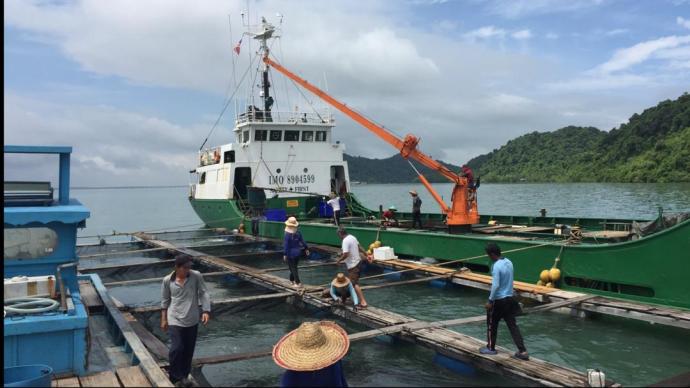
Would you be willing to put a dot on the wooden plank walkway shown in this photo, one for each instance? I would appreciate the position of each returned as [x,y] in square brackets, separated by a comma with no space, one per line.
[100,379]
[131,376]
[626,309]
[650,313]
[150,368]
[90,297]
[448,342]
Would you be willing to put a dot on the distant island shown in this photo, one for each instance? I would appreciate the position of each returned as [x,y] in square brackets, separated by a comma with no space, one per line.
[653,146]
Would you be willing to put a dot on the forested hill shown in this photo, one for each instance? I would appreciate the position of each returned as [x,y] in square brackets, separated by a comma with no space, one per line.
[391,170]
[652,147]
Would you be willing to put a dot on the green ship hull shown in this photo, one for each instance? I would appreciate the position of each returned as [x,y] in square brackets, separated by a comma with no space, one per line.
[652,269]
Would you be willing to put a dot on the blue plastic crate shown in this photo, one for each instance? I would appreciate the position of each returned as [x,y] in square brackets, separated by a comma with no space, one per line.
[275,215]
[325,210]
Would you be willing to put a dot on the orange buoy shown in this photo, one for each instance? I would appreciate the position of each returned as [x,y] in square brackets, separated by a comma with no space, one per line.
[554,274]
[544,276]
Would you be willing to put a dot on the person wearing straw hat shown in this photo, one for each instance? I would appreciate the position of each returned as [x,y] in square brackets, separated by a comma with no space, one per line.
[312,354]
[416,209]
[334,202]
[292,249]
[341,289]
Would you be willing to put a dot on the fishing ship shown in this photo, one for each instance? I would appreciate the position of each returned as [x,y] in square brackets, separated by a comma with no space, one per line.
[285,163]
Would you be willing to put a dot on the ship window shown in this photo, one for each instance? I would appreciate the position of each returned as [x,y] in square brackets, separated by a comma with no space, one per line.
[320,135]
[229,157]
[260,135]
[245,136]
[307,135]
[291,135]
[276,135]
[202,179]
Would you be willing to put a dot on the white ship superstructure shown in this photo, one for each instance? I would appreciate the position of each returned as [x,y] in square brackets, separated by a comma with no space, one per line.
[286,153]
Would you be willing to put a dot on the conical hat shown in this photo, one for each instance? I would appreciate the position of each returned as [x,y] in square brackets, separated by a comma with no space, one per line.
[340,280]
[312,346]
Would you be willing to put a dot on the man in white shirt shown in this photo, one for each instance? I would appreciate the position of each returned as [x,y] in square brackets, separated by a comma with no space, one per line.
[353,260]
[334,202]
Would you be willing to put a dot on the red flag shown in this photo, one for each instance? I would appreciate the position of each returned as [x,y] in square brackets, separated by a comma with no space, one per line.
[237,47]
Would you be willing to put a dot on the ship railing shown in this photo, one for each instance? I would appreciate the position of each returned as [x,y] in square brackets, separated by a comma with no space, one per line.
[284,117]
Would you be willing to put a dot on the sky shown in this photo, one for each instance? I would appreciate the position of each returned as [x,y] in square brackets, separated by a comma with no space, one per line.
[135,86]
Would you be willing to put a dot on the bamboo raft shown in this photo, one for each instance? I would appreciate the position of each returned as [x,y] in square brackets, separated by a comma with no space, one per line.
[432,335]
[653,314]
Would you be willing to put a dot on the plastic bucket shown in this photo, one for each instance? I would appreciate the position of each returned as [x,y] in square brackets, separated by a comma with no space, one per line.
[28,376]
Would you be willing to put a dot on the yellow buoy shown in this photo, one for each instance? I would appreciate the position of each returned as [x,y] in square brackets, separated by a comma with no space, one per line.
[544,276]
[369,252]
[549,285]
[372,246]
[377,244]
[540,283]
[554,274]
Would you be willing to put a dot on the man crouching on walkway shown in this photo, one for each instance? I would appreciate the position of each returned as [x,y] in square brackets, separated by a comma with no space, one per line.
[181,293]
[501,304]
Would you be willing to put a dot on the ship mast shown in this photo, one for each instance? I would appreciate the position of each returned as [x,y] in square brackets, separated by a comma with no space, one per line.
[267,30]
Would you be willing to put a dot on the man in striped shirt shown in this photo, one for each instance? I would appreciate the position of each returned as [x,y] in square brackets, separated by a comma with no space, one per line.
[182,293]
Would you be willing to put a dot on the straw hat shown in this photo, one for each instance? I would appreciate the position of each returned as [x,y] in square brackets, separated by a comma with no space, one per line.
[413,192]
[291,225]
[340,280]
[312,346]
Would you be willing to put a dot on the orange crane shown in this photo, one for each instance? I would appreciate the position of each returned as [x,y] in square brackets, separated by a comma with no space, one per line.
[463,210]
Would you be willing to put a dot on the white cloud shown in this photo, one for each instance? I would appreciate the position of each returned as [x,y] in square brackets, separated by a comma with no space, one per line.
[671,53]
[515,9]
[522,35]
[485,32]
[551,35]
[599,82]
[617,31]
[109,145]
[683,22]
[459,96]
[627,57]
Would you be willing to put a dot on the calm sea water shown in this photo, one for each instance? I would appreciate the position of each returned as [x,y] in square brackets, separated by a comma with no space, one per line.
[125,209]
[630,352]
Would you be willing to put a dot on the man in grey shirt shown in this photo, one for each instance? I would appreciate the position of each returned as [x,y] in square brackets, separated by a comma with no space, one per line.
[182,293]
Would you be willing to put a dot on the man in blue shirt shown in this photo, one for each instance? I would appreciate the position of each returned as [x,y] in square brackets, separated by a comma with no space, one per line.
[501,304]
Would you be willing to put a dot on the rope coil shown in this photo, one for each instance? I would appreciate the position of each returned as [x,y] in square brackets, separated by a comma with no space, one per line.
[30,305]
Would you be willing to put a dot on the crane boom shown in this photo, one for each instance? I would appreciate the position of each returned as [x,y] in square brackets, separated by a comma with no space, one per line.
[462,213]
